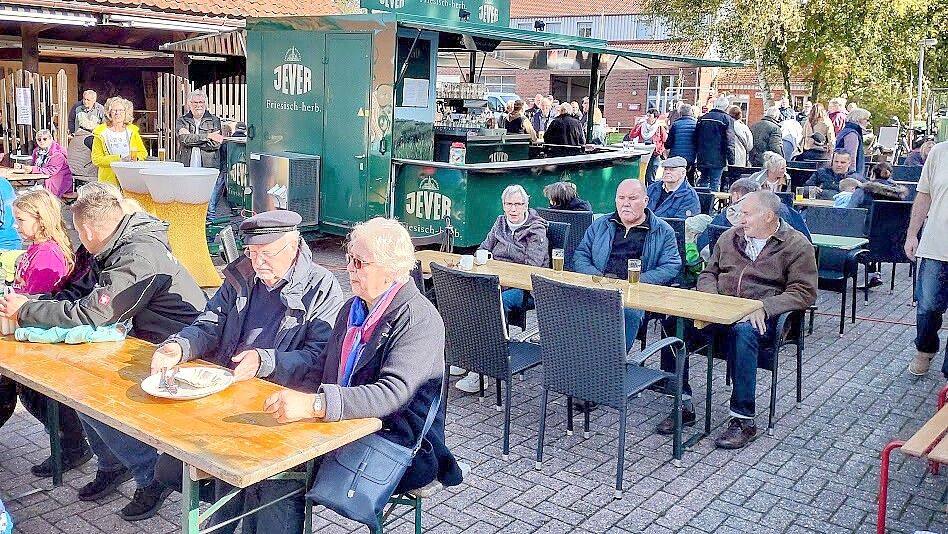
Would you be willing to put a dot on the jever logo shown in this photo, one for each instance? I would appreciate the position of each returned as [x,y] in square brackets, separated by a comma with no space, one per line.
[292,77]
[428,203]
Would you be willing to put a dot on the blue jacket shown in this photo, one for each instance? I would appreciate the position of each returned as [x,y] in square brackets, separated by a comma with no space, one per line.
[792,216]
[9,239]
[681,139]
[661,263]
[849,138]
[714,140]
[681,204]
[313,298]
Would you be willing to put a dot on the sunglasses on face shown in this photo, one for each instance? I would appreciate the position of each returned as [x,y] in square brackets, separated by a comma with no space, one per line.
[357,262]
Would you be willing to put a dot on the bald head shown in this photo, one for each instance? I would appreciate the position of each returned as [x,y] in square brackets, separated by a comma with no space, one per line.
[630,202]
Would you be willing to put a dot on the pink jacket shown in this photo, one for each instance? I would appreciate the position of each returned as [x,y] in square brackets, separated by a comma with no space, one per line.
[41,269]
[57,168]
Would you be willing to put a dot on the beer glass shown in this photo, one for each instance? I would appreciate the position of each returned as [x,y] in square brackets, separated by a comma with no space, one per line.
[558,256]
[161,154]
[800,195]
[635,270]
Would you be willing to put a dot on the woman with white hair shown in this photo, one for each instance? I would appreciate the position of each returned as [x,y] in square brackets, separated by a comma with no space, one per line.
[49,158]
[518,236]
[116,140]
[773,175]
[384,357]
[850,139]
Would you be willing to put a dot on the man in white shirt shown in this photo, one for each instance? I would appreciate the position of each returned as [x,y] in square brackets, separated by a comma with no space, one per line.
[931,202]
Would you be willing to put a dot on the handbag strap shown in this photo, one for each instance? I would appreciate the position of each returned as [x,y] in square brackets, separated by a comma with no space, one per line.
[432,413]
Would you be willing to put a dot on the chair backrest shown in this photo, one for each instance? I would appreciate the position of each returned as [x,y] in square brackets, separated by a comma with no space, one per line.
[582,340]
[229,250]
[557,234]
[678,225]
[804,164]
[787,198]
[444,239]
[706,199]
[798,177]
[714,232]
[888,222]
[903,173]
[912,190]
[475,335]
[579,222]
[848,222]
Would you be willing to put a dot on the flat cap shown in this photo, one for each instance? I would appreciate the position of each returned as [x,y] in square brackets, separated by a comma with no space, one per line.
[675,162]
[265,228]
[818,138]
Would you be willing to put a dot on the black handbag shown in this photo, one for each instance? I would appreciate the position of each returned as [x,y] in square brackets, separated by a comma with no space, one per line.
[357,480]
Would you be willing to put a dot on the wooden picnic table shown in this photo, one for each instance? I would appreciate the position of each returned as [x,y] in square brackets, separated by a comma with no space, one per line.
[226,435]
[813,203]
[19,179]
[702,308]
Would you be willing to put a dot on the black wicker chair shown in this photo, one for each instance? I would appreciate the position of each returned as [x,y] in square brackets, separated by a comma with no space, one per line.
[444,240]
[714,233]
[904,173]
[678,225]
[582,338]
[706,199]
[798,177]
[579,221]
[557,234]
[888,223]
[837,267]
[475,333]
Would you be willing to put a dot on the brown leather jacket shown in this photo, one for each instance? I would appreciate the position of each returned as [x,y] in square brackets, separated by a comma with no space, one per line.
[783,277]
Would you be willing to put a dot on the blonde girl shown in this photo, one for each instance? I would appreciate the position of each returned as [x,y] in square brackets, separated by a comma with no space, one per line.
[49,258]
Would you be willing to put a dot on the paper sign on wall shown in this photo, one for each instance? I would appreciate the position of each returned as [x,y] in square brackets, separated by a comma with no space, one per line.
[415,93]
[24,106]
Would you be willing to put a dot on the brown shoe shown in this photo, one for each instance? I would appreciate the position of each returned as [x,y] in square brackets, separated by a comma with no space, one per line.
[667,426]
[920,363]
[739,433]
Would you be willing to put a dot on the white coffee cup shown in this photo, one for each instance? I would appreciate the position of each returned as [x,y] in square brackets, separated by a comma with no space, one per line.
[466,263]
[481,256]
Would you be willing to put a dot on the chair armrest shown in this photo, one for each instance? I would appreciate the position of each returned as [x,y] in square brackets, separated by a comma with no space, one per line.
[650,350]
[852,258]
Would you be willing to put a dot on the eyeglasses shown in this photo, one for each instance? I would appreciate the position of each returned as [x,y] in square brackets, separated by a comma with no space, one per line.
[357,262]
[514,204]
[254,254]
[42,139]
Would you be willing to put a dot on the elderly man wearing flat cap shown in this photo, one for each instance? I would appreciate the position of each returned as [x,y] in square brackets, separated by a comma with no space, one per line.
[275,303]
[673,196]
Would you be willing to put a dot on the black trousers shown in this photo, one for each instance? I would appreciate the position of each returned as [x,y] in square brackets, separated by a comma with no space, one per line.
[7,399]
[72,436]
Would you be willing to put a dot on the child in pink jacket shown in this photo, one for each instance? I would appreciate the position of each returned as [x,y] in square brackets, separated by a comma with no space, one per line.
[49,258]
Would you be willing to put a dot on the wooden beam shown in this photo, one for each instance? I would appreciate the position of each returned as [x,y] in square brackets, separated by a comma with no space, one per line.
[29,34]
[181,62]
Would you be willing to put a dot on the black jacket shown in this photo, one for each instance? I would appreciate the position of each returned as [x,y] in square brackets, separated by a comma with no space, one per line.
[577,204]
[813,154]
[767,138]
[714,140]
[137,278]
[210,150]
[565,130]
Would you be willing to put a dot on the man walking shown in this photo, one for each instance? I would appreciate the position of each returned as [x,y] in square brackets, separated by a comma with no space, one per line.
[714,144]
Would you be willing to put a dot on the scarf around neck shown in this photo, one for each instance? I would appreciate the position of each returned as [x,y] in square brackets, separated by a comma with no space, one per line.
[648,131]
[361,325]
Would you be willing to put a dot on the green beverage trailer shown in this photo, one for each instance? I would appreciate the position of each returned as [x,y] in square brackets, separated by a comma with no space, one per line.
[358,95]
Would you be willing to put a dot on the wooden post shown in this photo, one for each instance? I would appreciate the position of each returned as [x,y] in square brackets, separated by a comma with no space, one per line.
[593,94]
[29,34]
[181,62]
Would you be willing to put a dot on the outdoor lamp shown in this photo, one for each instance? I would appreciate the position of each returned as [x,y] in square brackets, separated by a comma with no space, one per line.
[464,14]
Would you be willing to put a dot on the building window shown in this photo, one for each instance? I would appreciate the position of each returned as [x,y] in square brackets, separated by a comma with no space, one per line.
[644,28]
[525,26]
[501,84]
[584,29]
[663,91]
[553,27]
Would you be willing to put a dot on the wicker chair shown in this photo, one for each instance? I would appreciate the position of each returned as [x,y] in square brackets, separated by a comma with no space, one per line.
[444,240]
[475,333]
[582,338]
[579,221]
[557,234]
[714,233]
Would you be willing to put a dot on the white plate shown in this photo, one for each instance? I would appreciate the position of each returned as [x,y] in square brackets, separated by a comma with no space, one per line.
[222,378]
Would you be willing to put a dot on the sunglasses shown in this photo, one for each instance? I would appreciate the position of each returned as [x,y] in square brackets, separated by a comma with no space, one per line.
[42,139]
[357,262]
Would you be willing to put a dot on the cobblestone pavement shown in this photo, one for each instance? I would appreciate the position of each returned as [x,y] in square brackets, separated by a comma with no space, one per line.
[818,473]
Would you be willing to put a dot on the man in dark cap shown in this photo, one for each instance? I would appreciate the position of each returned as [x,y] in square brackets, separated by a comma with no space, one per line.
[275,303]
[672,196]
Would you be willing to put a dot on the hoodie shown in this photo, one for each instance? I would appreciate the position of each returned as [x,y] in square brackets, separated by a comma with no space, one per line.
[137,280]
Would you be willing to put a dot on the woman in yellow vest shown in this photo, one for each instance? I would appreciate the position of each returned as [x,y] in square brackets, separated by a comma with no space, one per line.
[116,140]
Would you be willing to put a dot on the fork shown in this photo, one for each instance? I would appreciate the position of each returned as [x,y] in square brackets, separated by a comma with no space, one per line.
[167,381]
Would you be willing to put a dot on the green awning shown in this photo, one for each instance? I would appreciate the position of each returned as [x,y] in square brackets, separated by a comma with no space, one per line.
[517,47]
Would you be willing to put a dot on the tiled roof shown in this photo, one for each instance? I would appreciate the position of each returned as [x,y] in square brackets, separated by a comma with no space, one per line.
[747,76]
[575,8]
[696,49]
[209,8]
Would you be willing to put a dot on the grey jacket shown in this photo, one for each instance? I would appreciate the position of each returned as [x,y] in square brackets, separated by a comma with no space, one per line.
[210,150]
[137,279]
[527,245]
[312,296]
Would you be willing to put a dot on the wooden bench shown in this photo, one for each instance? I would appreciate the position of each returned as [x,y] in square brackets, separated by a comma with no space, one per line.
[929,443]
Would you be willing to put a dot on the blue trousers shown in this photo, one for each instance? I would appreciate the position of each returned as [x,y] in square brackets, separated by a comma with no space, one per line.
[113,449]
[285,516]
[932,293]
[633,320]
[215,194]
[710,177]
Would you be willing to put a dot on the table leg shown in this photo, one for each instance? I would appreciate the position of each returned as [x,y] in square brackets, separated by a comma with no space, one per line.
[55,444]
[707,394]
[190,502]
[676,410]
[308,507]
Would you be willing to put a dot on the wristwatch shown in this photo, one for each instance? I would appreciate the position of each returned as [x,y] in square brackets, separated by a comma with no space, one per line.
[318,405]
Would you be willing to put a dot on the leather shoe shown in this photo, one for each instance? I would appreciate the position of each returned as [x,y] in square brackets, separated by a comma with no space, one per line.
[667,426]
[739,433]
[70,461]
[146,502]
[920,363]
[104,483]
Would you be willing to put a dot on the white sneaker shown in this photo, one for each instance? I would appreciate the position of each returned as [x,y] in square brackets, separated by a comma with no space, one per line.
[469,384]
[457,371]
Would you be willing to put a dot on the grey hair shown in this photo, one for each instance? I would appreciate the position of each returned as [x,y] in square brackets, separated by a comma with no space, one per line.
[41,132]
[859,114]
[773,112]
[685,110]
[389,243]
[565,108]
[90,92]
[722,102]
[743,186]
[560,192]
[769,201]
[129,205]
[772,160]
[515,188]
[197,92]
